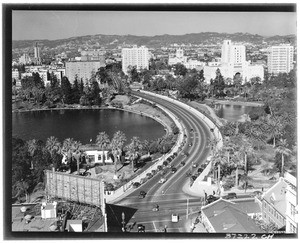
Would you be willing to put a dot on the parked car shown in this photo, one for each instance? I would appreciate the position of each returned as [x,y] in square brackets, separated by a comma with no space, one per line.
[211,199]
[199,170]
[142,194]
[136,184]
[182,163]
[173,170]
[190,144]
[162,180]
[230,195]
[192,129]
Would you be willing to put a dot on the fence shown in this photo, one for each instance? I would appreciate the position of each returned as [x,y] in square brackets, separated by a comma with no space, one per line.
[74,188]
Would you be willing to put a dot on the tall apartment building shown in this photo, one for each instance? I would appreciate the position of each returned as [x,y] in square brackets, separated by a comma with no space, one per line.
[280,59]
[82,69]
[138,57]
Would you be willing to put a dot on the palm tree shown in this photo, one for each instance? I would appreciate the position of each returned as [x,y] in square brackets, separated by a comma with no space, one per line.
[133,150]
[218,159]
[117,143]
[275,128]
[103,141]
[71,149]
[32,146]
[283,149]
[244,148]
[53,146]
[245,178]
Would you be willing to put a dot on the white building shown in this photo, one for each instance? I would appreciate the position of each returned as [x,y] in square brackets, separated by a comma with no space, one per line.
[138,57]
[233,61]
[194,64]
[82,69]
[15,74]
[25,59]
[279,204]
[37,54]
[179,58]
[280,59]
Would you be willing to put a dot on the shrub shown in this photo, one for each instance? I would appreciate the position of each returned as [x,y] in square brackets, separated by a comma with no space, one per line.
[98,169]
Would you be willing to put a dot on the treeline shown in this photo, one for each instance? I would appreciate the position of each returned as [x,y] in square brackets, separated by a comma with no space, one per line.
[31,158]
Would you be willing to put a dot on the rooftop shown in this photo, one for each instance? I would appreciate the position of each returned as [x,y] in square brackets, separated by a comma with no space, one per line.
[226,216]
[276,196]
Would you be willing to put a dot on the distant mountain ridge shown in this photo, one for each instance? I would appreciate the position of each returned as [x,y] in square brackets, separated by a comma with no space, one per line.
[153,41]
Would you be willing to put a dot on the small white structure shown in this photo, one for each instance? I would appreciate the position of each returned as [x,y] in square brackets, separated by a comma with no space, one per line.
[96,157]
[74,225]
[49,210]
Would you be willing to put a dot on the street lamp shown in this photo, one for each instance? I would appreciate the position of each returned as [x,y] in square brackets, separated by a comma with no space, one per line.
[123,221]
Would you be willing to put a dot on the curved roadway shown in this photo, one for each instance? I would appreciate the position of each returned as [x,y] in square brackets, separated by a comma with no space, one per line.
[170,195]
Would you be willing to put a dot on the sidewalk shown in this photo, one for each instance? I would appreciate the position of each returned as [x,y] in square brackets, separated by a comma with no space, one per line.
[198,189]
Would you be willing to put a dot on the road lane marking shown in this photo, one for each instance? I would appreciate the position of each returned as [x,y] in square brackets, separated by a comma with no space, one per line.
[154,226]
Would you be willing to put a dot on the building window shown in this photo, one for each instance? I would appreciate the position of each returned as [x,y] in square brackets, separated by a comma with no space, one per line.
[293,210]
[99,157]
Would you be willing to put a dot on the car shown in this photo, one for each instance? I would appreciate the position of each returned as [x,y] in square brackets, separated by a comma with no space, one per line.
[190,144]
[192,129]
[141,228]
[256,193]
[162,180]
[142,194]
[136,184]
[195,165]
[182,163]
[230,195]
[155,208]
[211,199]
[175,218]
[200,170]
[173,170]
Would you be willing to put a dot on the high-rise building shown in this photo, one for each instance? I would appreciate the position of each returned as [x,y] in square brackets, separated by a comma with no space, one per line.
[280,59]
[138,57]
[233,54]
[83,70]
[37,54]
[233,62]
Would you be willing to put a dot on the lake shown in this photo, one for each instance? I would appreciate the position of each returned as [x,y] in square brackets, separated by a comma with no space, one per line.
[232,112]
[83,125]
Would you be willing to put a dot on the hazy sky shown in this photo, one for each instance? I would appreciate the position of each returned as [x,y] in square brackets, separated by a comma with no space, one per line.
[30,25]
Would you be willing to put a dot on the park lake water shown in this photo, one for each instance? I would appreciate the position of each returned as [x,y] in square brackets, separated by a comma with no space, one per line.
[232,112]
[83,125]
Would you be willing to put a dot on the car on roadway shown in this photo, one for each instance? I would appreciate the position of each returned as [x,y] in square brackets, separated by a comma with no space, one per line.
[230,195]
[190,144]
[182,163]
[211,198]
[175,218]
[173,170]
[142,194]
[141,228]
[192,129]
[195,165]
[162,180]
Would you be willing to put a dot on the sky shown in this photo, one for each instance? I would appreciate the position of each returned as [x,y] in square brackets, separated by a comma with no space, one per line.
[52,25]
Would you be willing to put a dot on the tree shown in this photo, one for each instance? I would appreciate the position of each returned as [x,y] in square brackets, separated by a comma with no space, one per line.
[180,69]
[133,150]
[284,151]
[103,141]
[32,146]
[75,97]
[71,149]
[245,178]
[275,128]
[117,142]
[66,90]
[53,146]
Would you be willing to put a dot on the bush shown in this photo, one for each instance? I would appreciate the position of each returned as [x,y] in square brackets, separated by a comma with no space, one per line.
[136,184]
[109,187]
